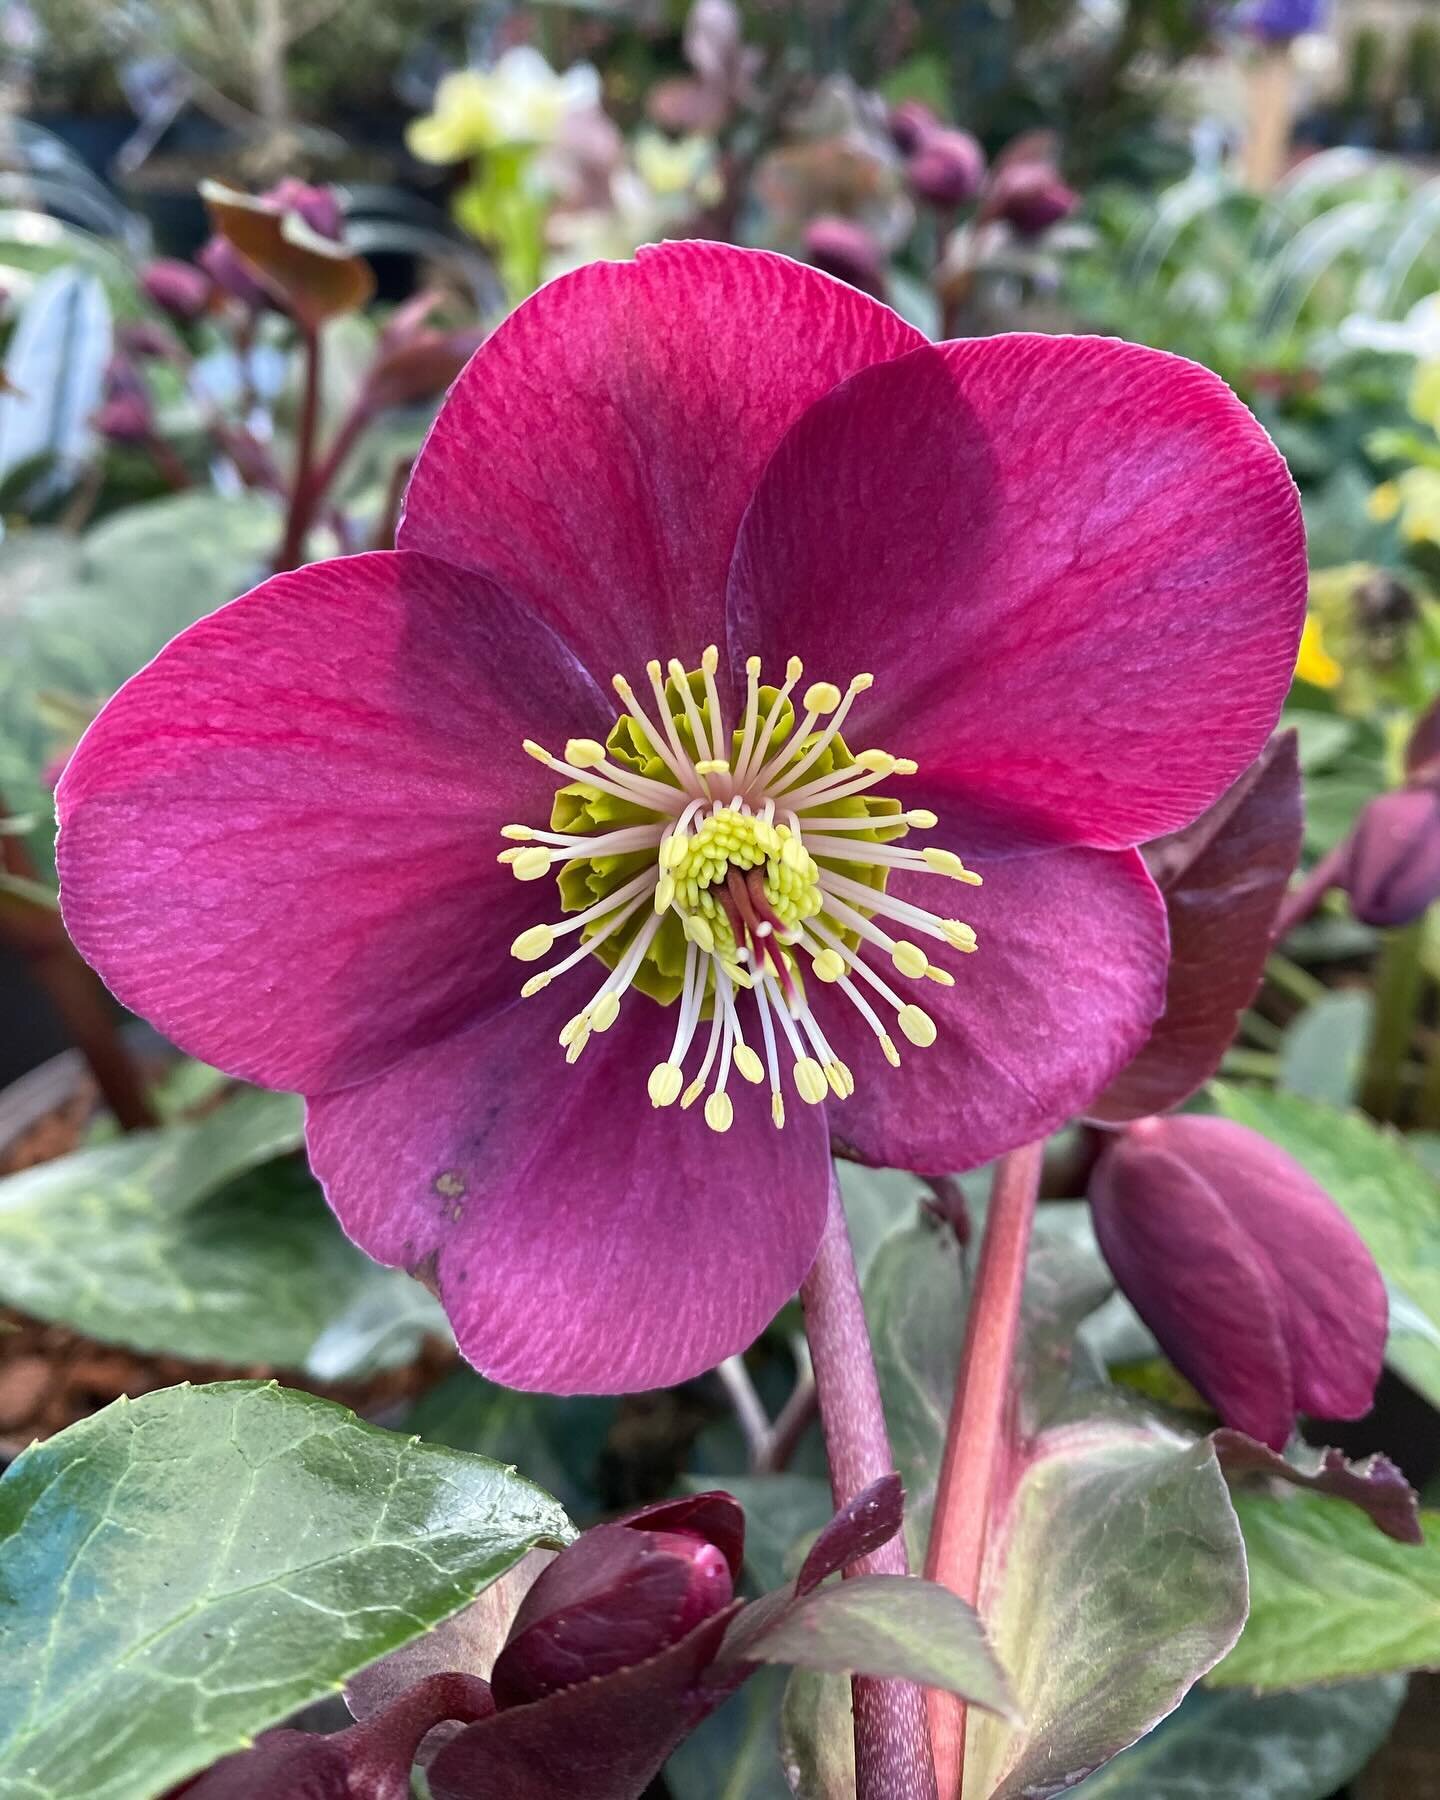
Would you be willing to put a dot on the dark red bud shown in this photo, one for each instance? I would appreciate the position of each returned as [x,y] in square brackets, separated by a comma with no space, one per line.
[946,168]
[842,248]
[1392,866]
[319,207]
[910,124]
[1031,197]
[177,288]
[615,1598]
[125,415]
[145,340]
[230,272]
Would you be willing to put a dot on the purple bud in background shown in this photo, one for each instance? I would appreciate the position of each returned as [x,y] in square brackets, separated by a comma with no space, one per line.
[1256,1285]
[1392,862]
[946,168]
[319,207]
[145,340]
[125,415]
[1030,196]
[233,275]
[618,1596]
[177,288]
[843,248]
[910,124]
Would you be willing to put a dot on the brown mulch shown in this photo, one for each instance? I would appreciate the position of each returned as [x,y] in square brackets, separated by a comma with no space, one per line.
[51,1376]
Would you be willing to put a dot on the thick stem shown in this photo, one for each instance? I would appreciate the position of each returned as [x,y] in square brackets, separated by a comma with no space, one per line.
[892,1749]
[302,504]
[1398,984]
[975,1438]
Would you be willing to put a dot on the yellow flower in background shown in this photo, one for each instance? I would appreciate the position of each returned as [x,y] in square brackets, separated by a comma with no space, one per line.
[1413,498]
[1425,394]
[1315,663]
[1384,502]
[521,100]
[671,166]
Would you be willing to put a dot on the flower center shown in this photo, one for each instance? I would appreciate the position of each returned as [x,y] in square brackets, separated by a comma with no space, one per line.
[716,868]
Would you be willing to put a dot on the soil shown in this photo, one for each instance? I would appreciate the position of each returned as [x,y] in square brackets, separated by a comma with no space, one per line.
[51,1376]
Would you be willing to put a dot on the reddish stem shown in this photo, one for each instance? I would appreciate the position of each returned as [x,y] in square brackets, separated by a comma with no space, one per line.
[892,1750]
[173,472]
[1301,901]
[302,505]
[975,1438]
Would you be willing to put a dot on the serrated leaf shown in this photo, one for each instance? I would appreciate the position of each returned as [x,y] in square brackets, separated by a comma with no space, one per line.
[193,1241]
[181,1571]
[1390,1199]
[1330,1598]
[1235,1746]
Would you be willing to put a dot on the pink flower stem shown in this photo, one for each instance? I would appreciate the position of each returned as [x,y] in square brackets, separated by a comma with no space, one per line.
[974,1440]
[892,1749]
[302,500]
[351,430]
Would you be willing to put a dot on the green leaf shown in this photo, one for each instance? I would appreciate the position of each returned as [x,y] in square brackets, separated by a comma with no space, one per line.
[1323,1049]
[1235,1746]
[1390,1199]
[817,1736]
[192,1240]
[181,1571]
[55,368]
[735,1755]
[890,1625]
[1330,1597]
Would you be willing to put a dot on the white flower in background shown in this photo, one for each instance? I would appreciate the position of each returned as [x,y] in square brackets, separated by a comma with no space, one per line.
[660,189]
[1417,334]
[520,100]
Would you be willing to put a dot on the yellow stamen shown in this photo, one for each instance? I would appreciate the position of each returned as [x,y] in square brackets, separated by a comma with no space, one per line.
[606,1012]
[585,753]
[531,864]
[810,1082]
[910,960]
[665,1083]
[538,941]
[777,1111]
[829,965]
[918,1026]
[822,698]
[749,1064]
[719,1113]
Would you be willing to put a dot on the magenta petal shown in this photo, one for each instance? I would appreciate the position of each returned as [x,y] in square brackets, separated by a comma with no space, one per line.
[1068,978]
[1076,568]
[583,1242]
[1331,1294]
[1193,1275]
[597,454]
[278,841]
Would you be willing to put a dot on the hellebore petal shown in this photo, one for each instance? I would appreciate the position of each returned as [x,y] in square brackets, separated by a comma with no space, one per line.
[1084,605]
[1223,879]
[1069,977]
[616,1597]
[619,420]
[582,1244]
[270,832]
[1255,1283]
[1392,861]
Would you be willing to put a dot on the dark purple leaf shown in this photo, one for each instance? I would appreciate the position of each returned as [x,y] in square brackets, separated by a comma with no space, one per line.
[1223,879]
[869,1520]
[1375,1485]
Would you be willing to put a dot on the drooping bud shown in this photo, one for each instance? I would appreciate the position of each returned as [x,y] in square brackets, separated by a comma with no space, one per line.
[125,415]
[177,288]
[845,249]
[1257,1286]
[319,207]
[1392,862]
[617,1596]
[946,168]
[911,122]
[1030,197]
[288,245]
[232,275]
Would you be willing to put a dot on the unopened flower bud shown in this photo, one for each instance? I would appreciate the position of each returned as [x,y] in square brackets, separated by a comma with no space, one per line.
[177,288]
[1030,197]
[1257,1286]
[619,1595]
[125,415]
[144,339]
[845,249]
[946,168]
[1392,863]
[319,207]
[911,122]
[233,275]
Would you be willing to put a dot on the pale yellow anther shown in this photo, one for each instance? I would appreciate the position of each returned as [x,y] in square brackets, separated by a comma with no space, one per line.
[529,989]
[752,665]
[538,751]
[653,669]
[719,1113]
[508,856]
[922,819]
[829,965]
[876,762]
[794,669]
[666,1080]
[777,1111]
[810,1082]
[842,1082]
[959,935]
[906,765]
[585,753]
[576,1045]
[699,933]
[738,975]
[677,674]
[533,944]
[710,659]
[691,1094]
[941,977]
[518,834]
[892,1055]
[573,1027]
[910,960]
[749,1064]
[672,851]
[945,862]
[860,683]
[712,765]
[607,1011]
[531,864]
[918,1026]
[623,688]
[823,697]
[664,892]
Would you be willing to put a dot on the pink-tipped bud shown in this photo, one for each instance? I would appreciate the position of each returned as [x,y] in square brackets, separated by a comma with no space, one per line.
[946,168]
[618,1596]
[1030,197]
[911,122]
[177,288]
[125,415]
[233,275]
[1256,1284]
[845,249]
[319,207]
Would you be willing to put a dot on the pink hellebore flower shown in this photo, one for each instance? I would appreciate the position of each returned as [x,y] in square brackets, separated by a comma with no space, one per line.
[1049,589]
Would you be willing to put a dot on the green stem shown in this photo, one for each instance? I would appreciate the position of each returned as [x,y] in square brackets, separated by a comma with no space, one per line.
[1399,981]
[1291,979]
